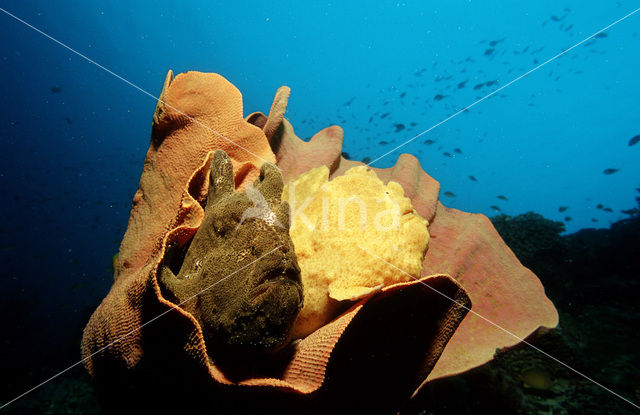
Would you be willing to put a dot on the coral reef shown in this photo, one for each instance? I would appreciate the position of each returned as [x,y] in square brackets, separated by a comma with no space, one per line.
[340,219]
[586,340]
[595,290]
[538,244]
[530,235]
[372,356]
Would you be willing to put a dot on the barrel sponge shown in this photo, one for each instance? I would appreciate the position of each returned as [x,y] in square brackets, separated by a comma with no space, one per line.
[338,229]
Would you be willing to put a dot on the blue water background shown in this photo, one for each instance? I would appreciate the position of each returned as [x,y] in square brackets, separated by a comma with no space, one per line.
[70,161]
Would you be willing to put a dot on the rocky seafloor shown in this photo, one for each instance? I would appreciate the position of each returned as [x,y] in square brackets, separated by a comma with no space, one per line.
[593,278]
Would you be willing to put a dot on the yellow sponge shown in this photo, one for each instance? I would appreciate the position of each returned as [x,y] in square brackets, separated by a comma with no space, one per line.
[334,224]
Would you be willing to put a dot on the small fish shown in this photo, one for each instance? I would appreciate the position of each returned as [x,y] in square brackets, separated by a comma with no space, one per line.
[385,115]
[429,142]
[447,154]
[457,151]
[449,194]
[555,18]
[635,140]
[610,171]
[562,208]
[413,124]
[462,84]
[404,94]
[366,160]
[473,179]
[630,212]
[502,197]
[478,86]
[439,97]
[55,89]
[495,42]
[384,143]
[496,208]
[490,83]
[608,210]
[536,377]
[346,155]
[601,35]
[594,220]
[599,206]
[489,51]
[399,127]
[68,120]
[567,218]
[348,103]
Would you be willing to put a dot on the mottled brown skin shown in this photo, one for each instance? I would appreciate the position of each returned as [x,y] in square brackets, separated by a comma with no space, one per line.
[239,276]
